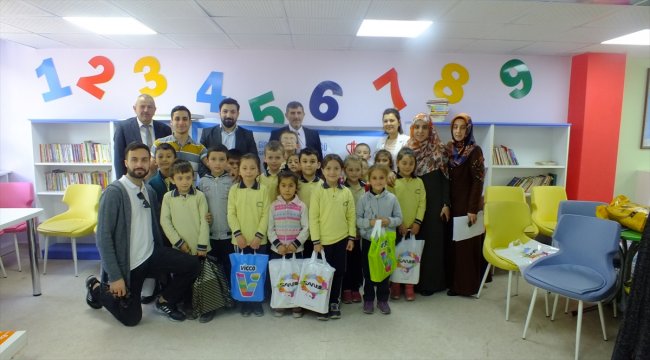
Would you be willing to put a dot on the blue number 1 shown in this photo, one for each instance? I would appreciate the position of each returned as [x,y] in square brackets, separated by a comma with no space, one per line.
[214,81]
[56,91]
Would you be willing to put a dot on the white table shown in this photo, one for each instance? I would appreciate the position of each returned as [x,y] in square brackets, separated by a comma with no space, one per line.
[14,216]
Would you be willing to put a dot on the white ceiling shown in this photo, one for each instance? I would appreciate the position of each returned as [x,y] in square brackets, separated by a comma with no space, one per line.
[561,27]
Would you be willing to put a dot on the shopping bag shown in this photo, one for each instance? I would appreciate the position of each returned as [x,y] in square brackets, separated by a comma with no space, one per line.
[621,209]
[408,253]
[247,276]
[313,293]
[523,255]
[381,254]
[210,290]
[285,276]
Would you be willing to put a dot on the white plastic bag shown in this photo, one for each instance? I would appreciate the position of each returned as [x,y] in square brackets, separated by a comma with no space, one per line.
[523,255]
[285,276]
[409,255]
[313,292]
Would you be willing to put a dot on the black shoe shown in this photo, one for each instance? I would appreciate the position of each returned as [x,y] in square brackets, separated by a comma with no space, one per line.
[335,311]
[147,299]
[426,293]
[170,310]
[452,293]
[207,317]
[245,309]
[323,317]
[91,299]
[258,310]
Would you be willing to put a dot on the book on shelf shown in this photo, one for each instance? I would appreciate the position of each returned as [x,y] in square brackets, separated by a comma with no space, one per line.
[502,155]
[58,180]
[527,182]
[86,152]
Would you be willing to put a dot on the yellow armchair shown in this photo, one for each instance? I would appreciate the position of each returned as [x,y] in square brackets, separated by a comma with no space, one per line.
[510,193]
[545,201]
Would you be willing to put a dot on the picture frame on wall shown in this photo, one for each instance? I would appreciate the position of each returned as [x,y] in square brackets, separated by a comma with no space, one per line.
[645,131]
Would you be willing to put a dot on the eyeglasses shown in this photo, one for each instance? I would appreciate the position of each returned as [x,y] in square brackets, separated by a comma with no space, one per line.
[145,203]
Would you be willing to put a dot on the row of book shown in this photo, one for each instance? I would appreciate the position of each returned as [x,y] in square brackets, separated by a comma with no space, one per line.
[438,107]
[58,180]
[527,182]
[87,152]
[503,155]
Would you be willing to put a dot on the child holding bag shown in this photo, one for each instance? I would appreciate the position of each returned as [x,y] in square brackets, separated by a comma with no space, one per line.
[332,225]
[376,205]
[412,199]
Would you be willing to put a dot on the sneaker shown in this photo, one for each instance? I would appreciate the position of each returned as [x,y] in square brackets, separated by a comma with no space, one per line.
[409,292]
[395,291]
[323,317]
[335,311]
[347,296]
[297,313]
[258,310]
[245,309]
[207,317]
[91,299]
[356,297]
[278,312]
[368,307]
[170,310]
[383,307]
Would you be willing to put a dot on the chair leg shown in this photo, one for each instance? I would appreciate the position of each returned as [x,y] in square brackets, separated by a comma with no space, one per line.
[517,284]
[47,242]
[554,307]
[74,255]
[602,319]
[487,271]
[615,305]
[508,295]
[530,312]
[566,306]
[2,267]
[578,329]
[546,303]
[17,252]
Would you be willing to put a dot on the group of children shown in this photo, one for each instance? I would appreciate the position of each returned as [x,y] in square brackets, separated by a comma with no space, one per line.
[295,203]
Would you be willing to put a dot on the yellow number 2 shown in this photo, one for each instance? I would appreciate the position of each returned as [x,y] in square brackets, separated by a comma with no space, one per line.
[152,75]
[451,82]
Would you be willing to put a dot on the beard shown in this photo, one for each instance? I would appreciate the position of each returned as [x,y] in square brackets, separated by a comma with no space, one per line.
[137,173]
[228,122]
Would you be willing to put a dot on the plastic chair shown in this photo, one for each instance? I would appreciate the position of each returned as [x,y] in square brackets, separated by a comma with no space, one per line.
[505,222]
[2,266]
[510,193]
[78,221]
[545,201]
[583,267]
[16,195]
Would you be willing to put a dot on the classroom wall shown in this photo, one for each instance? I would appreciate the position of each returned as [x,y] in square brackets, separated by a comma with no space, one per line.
[631,158]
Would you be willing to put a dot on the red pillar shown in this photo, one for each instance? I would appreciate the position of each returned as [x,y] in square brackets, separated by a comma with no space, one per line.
[595,103]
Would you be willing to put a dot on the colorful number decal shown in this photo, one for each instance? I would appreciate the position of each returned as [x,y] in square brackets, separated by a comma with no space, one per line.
[260,114]
[521,76]
[318,97]
[88,83]
[152,75]
[214,82]
[390,77]
[451,82]
[56,91]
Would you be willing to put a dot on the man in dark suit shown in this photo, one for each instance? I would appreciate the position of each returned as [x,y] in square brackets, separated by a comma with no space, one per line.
[228,133]
[307,138]
[141,128]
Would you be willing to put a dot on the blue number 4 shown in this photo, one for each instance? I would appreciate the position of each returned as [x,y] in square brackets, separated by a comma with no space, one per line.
[214,82]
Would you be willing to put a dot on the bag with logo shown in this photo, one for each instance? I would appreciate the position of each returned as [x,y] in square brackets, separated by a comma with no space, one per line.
[381,254]
[621,209]
[210,289]
[285,275]
[408,253]
[247,276]
[313,292]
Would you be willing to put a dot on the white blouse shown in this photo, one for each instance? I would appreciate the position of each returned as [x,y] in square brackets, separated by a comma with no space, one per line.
[400,142]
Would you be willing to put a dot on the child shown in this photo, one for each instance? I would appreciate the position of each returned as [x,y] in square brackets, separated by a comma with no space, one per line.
[216,185]
[161,182]
[289,140]
[364,170]
[384,157]
[233,157]
[376,205]
[293,164]
[273,157]
[353,275]
[362,150]
[183,214]
[412,199]
[288,224]
[309,181]
[332,226]
[248,216]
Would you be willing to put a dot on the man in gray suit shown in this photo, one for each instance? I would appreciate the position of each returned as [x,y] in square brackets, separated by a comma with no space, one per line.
[141,128]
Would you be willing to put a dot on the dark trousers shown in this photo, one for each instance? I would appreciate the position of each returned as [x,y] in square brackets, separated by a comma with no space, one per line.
[369,286]
[164,260]
[336,255]
[221,249]
[353,273]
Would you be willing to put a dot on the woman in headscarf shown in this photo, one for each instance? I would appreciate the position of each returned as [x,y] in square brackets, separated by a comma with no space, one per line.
[431,158]
[466,173]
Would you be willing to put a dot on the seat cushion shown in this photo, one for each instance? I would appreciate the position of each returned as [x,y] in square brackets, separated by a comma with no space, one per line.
[577,279]
[67,227]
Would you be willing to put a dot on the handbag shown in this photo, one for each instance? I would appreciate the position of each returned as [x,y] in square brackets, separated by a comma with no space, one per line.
[285,276]
[247,276]
[210,290]
[621,209]
[408,254]
[381,254]
[313,292]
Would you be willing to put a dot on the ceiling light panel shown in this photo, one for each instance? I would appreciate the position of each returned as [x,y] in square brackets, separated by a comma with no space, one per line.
[641,37]
[111,25]
[392,28]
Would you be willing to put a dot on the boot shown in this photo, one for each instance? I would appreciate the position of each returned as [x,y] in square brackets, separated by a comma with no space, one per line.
[409,292]
[395,291]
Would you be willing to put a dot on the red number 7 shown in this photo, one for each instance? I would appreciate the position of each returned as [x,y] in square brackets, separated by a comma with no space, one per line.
[390,76]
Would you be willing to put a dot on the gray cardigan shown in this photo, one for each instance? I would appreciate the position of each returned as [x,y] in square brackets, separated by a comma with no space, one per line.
[114,230]
[370,206]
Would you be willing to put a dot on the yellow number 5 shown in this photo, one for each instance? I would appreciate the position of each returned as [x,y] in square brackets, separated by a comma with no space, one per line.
[152,75]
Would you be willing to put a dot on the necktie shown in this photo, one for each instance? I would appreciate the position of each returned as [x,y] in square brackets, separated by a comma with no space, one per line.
[149,138]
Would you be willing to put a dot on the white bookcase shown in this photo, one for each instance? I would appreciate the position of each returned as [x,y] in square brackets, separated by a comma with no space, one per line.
[531,143]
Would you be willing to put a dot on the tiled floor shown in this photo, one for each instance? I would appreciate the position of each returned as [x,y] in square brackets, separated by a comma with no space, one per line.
[60,325]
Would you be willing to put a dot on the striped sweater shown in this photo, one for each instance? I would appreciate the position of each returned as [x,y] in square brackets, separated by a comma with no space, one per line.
[288,223]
